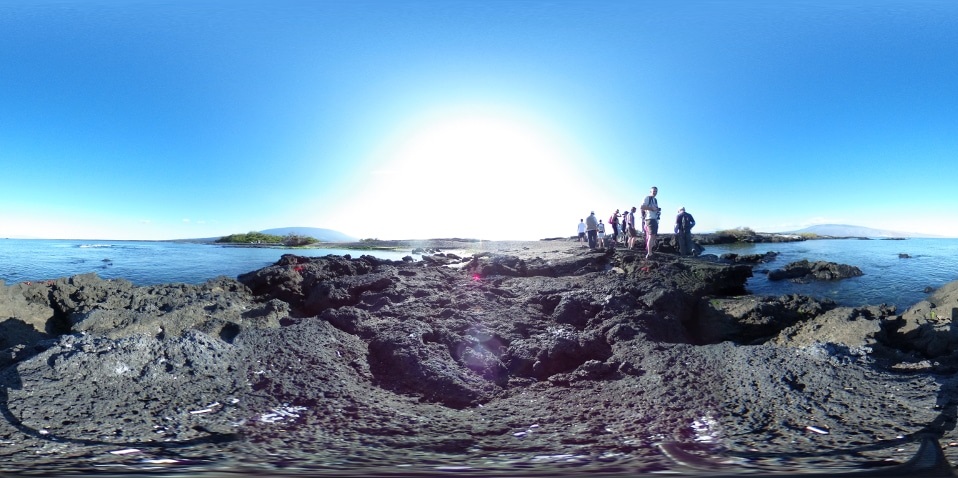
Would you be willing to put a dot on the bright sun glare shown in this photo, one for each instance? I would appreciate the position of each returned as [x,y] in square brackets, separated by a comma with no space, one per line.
[475,175]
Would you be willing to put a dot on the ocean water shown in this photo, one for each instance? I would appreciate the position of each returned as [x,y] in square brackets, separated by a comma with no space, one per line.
[887,278]
[142,262]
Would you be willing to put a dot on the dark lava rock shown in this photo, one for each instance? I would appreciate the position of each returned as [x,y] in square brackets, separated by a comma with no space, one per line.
[369,362]
[928,327]
[732,258]
[751,319]
[818,270]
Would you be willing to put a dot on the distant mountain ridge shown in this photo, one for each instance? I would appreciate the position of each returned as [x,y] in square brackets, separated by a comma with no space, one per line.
[844,230]
[325,235]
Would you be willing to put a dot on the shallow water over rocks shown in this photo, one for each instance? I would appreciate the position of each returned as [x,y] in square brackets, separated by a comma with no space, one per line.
[887,277]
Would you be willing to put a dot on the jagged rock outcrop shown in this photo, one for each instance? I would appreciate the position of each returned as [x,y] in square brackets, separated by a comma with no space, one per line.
[804,270]
[733,258]
[749,319]
[457,337]
[928,328]
[842,331]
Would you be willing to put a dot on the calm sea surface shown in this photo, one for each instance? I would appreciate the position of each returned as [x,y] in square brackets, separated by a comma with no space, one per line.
[887,278]
[144,263]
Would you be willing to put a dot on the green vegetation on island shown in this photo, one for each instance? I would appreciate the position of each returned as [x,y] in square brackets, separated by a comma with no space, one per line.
[745,234]
[738,233]
[253,237]
[748,235]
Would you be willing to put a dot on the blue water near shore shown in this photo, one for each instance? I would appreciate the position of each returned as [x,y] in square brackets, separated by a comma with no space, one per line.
[142,262]
[887,278]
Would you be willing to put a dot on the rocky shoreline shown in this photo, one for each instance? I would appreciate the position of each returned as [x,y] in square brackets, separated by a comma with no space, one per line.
[540,356]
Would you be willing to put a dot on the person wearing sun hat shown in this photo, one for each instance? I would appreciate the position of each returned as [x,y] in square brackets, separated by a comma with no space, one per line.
[683,231]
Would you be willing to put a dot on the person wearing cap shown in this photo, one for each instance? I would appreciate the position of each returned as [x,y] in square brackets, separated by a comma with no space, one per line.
[683,231]
[591,228]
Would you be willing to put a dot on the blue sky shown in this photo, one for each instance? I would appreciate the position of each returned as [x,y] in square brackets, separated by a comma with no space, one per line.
[489,119]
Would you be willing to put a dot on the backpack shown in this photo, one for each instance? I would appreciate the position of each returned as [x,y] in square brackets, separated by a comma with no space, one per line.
[612,219]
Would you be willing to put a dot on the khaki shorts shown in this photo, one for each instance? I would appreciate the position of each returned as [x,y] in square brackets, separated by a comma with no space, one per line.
[652,226]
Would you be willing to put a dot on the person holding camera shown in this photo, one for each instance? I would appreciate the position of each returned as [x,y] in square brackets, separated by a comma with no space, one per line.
[650,212]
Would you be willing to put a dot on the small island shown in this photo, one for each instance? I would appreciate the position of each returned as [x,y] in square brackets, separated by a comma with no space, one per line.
[254,238]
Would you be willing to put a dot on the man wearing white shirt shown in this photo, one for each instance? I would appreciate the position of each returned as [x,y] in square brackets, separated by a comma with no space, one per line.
[650,211]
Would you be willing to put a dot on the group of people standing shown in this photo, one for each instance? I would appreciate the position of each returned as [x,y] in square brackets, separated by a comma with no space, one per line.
[593,230]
